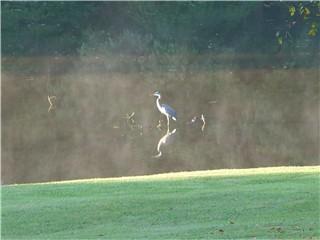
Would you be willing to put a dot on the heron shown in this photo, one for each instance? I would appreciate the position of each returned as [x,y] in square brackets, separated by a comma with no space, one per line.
[165,109]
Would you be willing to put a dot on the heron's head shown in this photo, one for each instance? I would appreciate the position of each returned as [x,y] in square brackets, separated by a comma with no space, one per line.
[156,94]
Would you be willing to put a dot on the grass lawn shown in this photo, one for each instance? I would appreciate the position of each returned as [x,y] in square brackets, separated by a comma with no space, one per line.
[262,203]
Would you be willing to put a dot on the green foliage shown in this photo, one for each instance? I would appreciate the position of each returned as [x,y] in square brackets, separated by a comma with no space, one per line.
[39,28]
[292,10]
[100,43]
[280,40]
[308,14]
[193,24]
[313,29]
[62,28]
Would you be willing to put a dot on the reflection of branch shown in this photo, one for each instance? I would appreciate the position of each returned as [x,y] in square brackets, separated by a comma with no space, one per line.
[204,122]
[159,125]
[130,117]
[130,121]
[195,118]
[50,102]
[163,140]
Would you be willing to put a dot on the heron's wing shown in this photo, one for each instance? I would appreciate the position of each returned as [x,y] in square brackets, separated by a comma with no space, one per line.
[169,110]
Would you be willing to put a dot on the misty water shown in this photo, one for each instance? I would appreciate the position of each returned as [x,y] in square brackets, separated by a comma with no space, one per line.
[104,122]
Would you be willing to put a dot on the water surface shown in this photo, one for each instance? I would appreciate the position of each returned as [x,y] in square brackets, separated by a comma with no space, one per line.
[254,117]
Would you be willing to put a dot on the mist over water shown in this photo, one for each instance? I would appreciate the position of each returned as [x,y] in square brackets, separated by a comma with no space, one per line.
[255,117]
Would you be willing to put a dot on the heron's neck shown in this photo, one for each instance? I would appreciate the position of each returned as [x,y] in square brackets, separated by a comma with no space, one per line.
[158,103]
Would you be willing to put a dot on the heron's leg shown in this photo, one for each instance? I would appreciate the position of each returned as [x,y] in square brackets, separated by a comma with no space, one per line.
[168,122]
[168,130]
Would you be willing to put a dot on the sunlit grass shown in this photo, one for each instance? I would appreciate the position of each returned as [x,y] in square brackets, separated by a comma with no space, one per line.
[264,203]
[197,174]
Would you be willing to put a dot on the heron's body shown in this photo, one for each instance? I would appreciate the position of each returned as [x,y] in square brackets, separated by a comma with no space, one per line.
[165,109]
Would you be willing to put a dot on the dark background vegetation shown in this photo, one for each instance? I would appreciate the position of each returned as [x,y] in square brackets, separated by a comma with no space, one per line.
[63,28]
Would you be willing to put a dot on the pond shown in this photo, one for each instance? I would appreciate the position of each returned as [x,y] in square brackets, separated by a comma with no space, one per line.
[81,118]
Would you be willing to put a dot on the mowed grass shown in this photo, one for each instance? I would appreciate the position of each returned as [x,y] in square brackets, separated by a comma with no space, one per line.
[262,203]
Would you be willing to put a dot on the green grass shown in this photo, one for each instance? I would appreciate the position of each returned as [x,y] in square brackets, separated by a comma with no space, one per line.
[261,203]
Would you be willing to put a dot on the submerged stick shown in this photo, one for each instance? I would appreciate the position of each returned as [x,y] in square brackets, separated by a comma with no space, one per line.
[204,122]
[50,102]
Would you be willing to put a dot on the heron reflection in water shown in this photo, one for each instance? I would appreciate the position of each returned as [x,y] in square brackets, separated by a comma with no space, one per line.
[164,140]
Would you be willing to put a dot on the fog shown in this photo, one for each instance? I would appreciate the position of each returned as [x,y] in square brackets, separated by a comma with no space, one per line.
[103,121]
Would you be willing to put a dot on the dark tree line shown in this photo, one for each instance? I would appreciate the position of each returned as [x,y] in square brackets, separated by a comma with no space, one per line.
[61,28]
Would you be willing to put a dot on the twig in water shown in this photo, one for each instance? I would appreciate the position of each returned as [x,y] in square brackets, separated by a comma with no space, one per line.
[130,117]
[204,122]
[52,106]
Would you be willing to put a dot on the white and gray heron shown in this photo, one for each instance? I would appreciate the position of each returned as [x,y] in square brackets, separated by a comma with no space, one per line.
[165,109]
